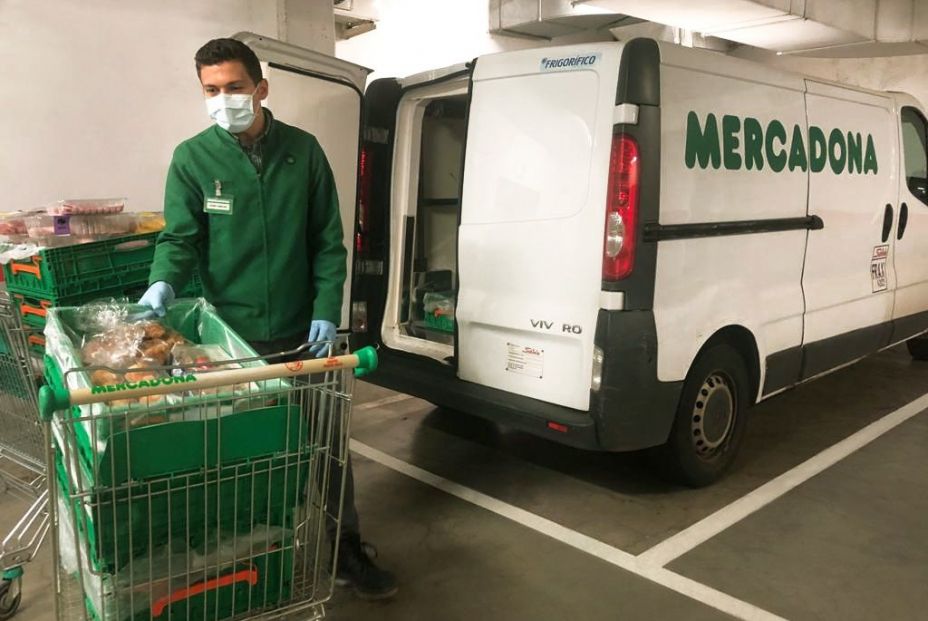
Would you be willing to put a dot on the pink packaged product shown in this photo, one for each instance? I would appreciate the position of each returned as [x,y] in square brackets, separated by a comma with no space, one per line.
[83,206]
[14,224]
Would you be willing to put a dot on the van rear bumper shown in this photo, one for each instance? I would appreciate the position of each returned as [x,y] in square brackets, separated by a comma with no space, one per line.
[633,410]
[438,384]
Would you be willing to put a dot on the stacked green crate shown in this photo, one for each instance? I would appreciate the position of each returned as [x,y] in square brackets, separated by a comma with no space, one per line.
[84,269]
[260,578]
[76,275]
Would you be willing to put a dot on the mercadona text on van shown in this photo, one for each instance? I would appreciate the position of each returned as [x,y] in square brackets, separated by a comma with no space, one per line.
[748,144]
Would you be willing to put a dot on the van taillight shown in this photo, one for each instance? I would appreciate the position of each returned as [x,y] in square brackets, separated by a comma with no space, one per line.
[621,208]
[361,241]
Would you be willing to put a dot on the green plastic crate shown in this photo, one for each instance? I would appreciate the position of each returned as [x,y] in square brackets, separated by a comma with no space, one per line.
[33,308]
[443,323]
[36,341]
[263,582]
[84,268]
[127,521]
[233,588]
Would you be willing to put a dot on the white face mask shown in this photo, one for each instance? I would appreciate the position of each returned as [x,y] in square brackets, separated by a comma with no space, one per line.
[234,113]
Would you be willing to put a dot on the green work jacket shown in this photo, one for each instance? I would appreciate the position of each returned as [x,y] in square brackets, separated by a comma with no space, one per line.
[278,260]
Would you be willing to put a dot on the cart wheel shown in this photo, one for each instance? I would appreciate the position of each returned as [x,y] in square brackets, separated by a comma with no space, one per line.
[11,594]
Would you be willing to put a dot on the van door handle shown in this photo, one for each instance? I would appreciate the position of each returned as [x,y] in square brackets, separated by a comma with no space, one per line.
[903,220]
[887,222]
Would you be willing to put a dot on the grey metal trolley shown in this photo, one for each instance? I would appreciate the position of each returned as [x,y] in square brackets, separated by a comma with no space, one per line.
[199,495]
[22,454]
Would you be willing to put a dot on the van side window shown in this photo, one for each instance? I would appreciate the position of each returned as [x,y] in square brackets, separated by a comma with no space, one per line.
[915,149]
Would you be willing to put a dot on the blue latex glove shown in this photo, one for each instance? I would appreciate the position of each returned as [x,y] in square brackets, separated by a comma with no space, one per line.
[158,296]
[322,333]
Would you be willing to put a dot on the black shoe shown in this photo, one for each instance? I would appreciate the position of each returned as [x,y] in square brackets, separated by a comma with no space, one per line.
[357,570]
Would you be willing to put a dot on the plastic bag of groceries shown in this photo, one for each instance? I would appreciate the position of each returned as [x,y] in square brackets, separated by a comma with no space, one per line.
[113,345]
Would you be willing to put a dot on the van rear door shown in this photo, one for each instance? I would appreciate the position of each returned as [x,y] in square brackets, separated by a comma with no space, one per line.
[532,217]
[322,95]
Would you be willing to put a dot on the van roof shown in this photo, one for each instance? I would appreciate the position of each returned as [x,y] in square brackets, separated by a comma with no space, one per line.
[723,64]
[688,58]
[431,75]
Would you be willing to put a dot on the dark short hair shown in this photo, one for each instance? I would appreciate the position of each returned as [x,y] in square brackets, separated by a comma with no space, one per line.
[222,50]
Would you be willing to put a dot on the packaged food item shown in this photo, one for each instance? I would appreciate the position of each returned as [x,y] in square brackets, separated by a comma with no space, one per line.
[102,225]
[198,358]
[149,222]
[125,345]
[14,224]
[203,357]
[116,342]
[40,226]
[439,303]
[87,206]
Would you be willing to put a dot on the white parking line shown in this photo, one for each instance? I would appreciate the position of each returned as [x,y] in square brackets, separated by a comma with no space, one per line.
[710,526]
[610,554]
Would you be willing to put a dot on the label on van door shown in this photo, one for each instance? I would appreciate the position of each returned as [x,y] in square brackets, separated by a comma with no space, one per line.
[878,268]
[526,360]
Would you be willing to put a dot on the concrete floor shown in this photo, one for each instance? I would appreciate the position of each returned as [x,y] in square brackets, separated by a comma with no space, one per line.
[850,543]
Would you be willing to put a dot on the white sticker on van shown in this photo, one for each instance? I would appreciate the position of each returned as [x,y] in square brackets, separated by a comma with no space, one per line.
[577,61]
[878,268]
[526,360]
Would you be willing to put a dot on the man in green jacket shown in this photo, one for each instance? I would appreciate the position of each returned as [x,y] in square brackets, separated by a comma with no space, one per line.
[251,202]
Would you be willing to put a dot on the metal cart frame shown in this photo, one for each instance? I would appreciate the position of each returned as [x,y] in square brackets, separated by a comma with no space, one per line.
[231,523]
[22,454]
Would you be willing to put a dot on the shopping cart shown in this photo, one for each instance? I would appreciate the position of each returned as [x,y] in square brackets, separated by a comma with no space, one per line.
[22,454]
[199,495]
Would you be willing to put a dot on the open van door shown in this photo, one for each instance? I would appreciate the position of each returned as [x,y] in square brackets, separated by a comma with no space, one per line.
[533,210]
[323,96]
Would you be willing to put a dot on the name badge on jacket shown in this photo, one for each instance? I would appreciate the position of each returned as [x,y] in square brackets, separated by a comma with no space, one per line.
[222,206]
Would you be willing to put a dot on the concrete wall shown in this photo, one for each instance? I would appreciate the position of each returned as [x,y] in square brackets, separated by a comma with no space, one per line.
[97,93]
[900,73]
[417,35]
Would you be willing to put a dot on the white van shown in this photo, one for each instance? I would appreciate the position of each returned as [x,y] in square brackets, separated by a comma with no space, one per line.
[619,246]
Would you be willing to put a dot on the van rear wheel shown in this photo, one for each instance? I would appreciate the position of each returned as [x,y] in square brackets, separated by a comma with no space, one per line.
[918,347]
[709,423]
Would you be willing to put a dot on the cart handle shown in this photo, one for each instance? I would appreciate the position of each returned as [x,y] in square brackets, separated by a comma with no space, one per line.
[247,575]
[53,399]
